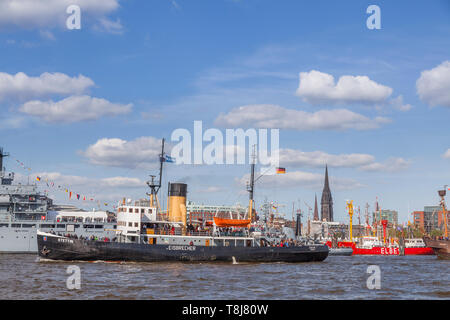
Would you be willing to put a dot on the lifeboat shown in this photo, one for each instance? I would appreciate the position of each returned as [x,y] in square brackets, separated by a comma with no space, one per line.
[222,222]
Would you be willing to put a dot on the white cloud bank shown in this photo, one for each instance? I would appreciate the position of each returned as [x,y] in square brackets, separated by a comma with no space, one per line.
[318,88]
[274,116]
[21,86]
[433,86]
[360,161]
[88,183]
[73,109]
[296,179]
[141,153]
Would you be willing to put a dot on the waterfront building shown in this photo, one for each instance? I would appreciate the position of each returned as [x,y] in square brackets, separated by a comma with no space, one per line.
[431,218]
[390,215]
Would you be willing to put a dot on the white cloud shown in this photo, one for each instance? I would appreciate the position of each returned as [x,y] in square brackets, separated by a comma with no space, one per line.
[142,152]
[398,104]
[74,109]
[80,181]
[296,179]
[21,86]
[446,155]
[390,165]
[318,159]
[273,116]
[109,26]
[433,86]
[30,14]
[317,88]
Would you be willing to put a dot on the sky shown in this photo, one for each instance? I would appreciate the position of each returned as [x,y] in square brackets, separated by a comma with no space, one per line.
[87,108]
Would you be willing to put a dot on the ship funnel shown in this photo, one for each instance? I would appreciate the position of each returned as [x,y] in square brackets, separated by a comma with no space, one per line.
[177,202]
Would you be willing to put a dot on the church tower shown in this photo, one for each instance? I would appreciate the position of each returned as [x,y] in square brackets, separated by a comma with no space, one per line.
[326,211]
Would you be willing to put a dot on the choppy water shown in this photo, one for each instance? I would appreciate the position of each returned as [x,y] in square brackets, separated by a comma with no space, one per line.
[410,277]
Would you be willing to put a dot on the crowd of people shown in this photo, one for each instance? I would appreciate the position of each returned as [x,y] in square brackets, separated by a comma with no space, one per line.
[90,238]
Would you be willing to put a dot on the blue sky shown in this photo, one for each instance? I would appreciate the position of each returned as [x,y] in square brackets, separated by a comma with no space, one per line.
[163,64]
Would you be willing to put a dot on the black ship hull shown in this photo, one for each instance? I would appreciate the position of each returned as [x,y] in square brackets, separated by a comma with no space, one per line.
[440,247]
[61,248]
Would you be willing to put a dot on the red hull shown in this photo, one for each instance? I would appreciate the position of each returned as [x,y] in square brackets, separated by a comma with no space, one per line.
[383,251]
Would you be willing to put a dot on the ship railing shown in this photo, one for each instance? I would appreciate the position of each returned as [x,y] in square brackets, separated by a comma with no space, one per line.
[180,233]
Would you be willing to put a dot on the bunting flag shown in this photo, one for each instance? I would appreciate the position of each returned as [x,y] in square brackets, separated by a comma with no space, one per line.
[52,184]
[281,170]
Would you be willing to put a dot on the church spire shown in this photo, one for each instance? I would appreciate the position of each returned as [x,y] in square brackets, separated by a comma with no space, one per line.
[327,200]
[327,184]
[316,210]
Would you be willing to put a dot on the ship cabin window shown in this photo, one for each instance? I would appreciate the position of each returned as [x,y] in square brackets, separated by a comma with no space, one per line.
[3,225]
[240,243]
[98,226]
[130,210]
[130,224]
[28,225]
[63,226]
[136,210]
[88,226]
[136,224]
[142,210]
[15,225]
[45,225]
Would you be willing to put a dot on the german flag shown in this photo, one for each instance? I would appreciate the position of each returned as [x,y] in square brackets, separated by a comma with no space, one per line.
[281,170]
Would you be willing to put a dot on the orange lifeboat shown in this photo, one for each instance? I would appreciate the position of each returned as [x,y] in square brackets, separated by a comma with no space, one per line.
[221,222]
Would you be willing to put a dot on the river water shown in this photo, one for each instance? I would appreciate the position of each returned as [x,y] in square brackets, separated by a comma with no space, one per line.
[24,276]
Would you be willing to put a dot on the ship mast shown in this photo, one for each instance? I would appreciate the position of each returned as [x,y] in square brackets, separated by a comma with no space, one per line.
[442,194]
[2,155]
[155,186]
[251,186]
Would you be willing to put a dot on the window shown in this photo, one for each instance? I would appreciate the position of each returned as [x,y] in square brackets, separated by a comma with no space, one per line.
[15,225]
[136,210]
[130,210]
[142,210]
[136,224]
[3,225]
[130,224]
[45,225]
[98,226]
[63,226]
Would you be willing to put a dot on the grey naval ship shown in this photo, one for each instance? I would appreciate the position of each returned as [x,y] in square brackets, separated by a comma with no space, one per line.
[24,210]
[147,234]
